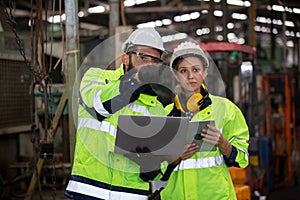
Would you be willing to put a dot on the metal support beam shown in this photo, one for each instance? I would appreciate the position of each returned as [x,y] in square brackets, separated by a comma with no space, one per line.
[114,16]
[72,62]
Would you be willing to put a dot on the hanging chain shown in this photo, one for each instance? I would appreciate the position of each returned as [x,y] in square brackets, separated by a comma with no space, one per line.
[11,21]
[53,176]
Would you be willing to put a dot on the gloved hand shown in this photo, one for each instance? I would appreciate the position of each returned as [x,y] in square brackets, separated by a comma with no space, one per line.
[150,74]
[145,159]
[161,80]
[149,163]
[128,82]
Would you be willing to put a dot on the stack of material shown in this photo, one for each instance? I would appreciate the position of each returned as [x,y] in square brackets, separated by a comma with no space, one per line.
[238,176]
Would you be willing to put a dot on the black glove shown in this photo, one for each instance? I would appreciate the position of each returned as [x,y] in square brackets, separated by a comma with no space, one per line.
[128,82]
[127,88]
[161,80]
[150,74]
[149,163]
[143,157]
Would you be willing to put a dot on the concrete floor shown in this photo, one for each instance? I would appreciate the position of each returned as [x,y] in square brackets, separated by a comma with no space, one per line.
[288,193]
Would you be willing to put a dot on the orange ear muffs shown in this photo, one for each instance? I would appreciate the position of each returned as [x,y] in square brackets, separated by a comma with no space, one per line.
[178,104]
[193,104]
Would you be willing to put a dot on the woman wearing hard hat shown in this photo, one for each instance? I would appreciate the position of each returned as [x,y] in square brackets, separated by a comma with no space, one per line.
[205,176]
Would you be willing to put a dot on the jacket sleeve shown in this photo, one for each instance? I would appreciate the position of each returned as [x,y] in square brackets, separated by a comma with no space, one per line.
[235,130]
[100,92]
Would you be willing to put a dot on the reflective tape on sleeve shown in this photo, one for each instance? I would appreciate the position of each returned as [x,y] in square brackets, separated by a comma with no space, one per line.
[99,106]
[97,125]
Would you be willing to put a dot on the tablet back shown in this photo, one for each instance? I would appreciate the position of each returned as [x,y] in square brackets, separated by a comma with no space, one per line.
[161,135]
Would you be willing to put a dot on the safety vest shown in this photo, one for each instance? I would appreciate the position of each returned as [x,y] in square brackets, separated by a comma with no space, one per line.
[97,171]
[205,175]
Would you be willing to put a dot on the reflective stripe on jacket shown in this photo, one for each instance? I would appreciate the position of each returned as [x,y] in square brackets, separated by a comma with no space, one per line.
[205,175]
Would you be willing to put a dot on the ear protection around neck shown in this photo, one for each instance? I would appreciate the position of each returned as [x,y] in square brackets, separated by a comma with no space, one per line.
[193,103]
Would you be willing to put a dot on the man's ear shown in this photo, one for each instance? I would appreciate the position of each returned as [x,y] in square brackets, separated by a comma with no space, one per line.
[125,59]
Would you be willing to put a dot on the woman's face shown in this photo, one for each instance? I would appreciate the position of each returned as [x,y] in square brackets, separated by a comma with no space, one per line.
[191,73]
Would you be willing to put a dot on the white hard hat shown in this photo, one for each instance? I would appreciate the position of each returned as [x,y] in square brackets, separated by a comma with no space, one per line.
[147,36]
[187,49]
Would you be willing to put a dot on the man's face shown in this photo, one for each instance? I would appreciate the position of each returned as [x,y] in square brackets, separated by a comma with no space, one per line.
[141,56]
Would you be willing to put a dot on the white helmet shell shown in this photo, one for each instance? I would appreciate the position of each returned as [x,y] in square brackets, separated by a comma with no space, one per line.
[186,49]
[147,36]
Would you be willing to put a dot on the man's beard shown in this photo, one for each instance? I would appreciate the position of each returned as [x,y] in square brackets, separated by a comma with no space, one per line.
[130,65]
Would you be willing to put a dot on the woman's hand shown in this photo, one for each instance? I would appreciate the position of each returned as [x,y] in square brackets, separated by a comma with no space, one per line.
[189,151]
[214,136]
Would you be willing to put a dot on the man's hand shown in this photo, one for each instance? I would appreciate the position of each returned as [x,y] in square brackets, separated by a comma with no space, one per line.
[143,157]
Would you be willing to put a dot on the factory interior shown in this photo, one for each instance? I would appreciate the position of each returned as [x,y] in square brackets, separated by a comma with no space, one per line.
[254,44]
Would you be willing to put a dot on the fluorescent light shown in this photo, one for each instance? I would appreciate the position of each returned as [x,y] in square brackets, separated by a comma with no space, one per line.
[278,8]
[80,14]
[129,3]
[178,36]
[203,31]
[155,23]
[239,16]
[289,23]
[275,31]
[185,17]
[218,28]
[290,43]
[177,18]
[158,23]
[204,11]
[277,22]
[56,18]
[96,9]
[239,3]
[166,22]
[241,41]
[147,24]
[218,13]
[296,10]
[195,15]
[230,25]
[220,37]
[137,2]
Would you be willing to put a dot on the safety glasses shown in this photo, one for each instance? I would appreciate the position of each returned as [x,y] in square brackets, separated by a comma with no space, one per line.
[145,58]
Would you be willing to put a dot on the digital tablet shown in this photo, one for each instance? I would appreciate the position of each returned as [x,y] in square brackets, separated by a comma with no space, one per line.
[161,135]
[194,134]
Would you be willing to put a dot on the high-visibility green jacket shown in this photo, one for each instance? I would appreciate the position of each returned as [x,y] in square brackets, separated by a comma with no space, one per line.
[205,175]
[97,171]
